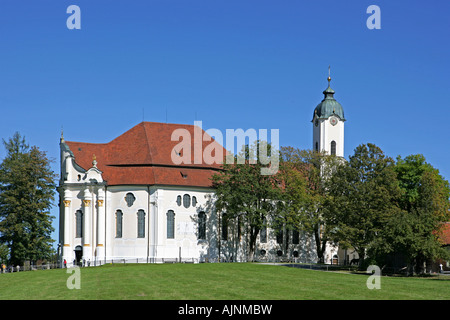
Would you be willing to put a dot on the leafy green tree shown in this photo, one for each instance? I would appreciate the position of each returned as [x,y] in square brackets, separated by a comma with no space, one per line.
[362,198]
[4,253]
[303,174]
[26,194]
[244,194]
[414,233]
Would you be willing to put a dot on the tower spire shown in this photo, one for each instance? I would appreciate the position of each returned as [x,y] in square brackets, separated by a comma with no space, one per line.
[62,135]
[329,75]
[328,91]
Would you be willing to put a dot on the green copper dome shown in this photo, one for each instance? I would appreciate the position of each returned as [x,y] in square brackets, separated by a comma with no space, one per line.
[329,106]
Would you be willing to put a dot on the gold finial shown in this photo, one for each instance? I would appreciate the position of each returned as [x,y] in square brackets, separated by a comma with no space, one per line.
[94,161]
[329,74]
[94,157]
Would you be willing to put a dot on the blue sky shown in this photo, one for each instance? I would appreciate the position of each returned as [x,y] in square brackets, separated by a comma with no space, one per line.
[232,64]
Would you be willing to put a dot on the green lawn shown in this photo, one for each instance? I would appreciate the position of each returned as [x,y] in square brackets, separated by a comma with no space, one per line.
[229,281]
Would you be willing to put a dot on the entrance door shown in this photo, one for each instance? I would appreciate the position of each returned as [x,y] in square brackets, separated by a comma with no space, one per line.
[78,254]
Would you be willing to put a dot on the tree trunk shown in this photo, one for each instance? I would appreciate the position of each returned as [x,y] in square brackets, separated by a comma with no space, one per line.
[419,269]
[320,245]
[362,256]
[253,234]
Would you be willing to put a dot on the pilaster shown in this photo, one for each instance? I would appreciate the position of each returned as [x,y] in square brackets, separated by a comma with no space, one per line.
[87,252]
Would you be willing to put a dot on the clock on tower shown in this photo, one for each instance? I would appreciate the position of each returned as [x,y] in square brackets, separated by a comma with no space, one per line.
[328,124]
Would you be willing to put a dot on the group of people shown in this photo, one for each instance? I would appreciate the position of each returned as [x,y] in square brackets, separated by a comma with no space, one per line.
[80,263]
[4,268]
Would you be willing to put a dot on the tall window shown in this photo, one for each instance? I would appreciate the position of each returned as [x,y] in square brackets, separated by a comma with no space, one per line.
[179,200]
[295,236]
[239,225]
[224,226]
[170,224]
[317,146]
[141,223]
[333,147]
[119,220]
[280,236]
[79,223]
[201,226]
[186,200]
[263,233]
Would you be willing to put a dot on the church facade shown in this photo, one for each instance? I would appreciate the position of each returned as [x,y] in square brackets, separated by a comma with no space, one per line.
[126,200]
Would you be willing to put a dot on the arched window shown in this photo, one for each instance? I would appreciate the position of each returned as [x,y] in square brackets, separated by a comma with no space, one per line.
[295,236]
[119,220]
[186,200]
[280,236]
[202,226]
[194,201]
[170,224]
[263,233]
[179,200]
[224,227]
[79,223]
[333,147]
[141,224]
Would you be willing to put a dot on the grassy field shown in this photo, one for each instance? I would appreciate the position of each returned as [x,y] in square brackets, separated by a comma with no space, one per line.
[228,281]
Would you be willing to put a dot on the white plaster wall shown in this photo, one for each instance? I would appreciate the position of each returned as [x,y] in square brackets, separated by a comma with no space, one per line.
[129,245]
[324,133]
[156,202]
[185,241]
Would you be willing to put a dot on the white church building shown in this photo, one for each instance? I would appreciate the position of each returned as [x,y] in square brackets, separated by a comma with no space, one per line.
[126,200]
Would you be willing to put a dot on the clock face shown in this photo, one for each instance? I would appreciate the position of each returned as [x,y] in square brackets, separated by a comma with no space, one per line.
[333,121]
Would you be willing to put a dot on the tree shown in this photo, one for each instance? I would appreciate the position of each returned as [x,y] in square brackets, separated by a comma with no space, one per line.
[414,232]
[244,194]
[27,186]
[362,198]
[292,179]
[303,174]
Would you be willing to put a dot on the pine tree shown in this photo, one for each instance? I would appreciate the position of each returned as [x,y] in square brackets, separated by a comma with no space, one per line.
[27,186]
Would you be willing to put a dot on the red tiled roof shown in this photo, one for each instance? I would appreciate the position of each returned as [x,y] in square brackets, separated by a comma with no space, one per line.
[142,155]
[445,235]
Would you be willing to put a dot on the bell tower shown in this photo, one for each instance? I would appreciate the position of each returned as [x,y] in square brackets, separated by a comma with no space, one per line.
[328,124]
